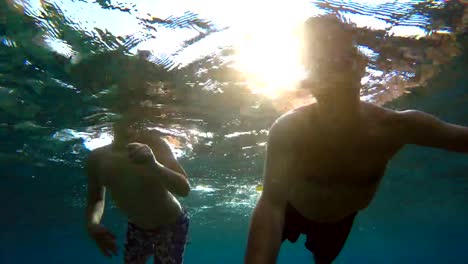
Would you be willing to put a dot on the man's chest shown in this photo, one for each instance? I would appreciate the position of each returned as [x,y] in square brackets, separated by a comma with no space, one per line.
[339,162]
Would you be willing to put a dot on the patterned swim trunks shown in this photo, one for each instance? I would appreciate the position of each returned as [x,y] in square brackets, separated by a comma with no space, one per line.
[167,244]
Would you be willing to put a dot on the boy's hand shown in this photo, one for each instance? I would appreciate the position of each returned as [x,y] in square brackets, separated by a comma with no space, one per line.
[105,240]
[140,153]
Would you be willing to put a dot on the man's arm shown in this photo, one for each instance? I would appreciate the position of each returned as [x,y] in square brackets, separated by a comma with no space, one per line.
[267,221]
[426,130]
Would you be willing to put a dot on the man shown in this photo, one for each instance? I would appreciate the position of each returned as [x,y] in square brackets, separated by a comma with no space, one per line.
[142,174]
[325,160]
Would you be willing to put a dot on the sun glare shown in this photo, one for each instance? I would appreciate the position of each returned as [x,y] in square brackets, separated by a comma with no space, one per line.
[269,52]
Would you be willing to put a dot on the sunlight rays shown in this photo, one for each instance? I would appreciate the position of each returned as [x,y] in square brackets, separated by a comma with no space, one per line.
[268,52]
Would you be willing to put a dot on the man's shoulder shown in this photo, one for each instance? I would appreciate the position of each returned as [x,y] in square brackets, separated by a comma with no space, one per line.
[292,123]
[295,116]
[375,108]
[96,154]
[380,113]
[395,120]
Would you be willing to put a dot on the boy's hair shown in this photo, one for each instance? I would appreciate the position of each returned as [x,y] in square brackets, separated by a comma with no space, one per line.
[126,122]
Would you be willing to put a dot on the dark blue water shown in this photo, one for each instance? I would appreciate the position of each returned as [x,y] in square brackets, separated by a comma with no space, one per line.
[419,214]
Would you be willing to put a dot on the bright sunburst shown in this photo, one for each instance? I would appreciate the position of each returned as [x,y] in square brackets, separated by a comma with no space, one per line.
[269,53]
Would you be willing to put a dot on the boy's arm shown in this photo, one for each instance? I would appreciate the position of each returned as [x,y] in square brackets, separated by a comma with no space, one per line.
[165,156]
[96,193]
[105,240]
[175,182]
[165,168]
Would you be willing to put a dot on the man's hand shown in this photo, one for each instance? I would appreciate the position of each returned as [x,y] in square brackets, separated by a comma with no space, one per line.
[105,240]
[140,153]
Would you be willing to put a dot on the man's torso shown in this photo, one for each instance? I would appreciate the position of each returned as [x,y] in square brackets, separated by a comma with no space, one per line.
[336,169]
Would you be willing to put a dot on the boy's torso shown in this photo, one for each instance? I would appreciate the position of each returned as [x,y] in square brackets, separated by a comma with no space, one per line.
[148,205]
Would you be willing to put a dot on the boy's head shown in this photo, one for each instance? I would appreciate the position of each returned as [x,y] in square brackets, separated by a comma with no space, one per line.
[126,130]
